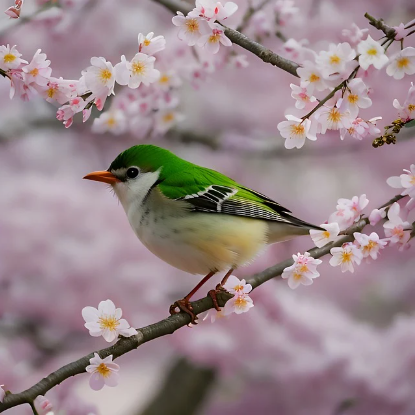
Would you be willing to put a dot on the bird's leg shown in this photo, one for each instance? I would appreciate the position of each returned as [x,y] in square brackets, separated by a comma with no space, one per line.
[219,288]
[184,304]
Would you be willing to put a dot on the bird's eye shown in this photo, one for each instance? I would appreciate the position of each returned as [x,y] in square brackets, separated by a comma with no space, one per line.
[132,172]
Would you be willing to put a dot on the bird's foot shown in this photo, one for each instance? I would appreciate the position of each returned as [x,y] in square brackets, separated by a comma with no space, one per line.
[213,295]
[184,306]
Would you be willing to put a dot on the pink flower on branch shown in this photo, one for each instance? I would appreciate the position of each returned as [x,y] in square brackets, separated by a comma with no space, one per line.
[303,271]
[405,181]
[295,131]
[402,63]
[42,405]
[214,37]
[14,11]
[370,245]
[212,10]
[37,71]
[346,256]
[190,28]
[10,58]
[371,53]
[406,111]
[396,229]
[103,372]
[149,44]
[321,238]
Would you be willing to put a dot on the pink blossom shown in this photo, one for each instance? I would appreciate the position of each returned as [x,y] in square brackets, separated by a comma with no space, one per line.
[238,304]
[42,405]
[139,71]
[397,230]
[113,121]
[58,90]
[311,77]
[2,393]
[303,271]
[334,61]
[334,118]
[190,28]
[407,111]
[302,96]
[166,119]
[211,41]
[355,97]
[37,71]
[355,34]
[295,131]
[371,53]
[149,44]
[213,10]
[346,256]
[321,238]
[10,58]
[104,372]
[348,211]
[401,32]
[361,129]
[238,61]
[377,215]
[405,181]
[66,112]
[402,63]
[99,77]
[14,11]
[236,286]
[370,245]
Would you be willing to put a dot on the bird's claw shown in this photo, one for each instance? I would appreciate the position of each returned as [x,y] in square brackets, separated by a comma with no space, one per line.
[213,295]
[184,306]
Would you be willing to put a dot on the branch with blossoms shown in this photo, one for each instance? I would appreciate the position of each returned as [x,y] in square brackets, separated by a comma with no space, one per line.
[342,238]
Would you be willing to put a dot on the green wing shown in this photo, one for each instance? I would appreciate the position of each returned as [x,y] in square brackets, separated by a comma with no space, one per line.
[224,196]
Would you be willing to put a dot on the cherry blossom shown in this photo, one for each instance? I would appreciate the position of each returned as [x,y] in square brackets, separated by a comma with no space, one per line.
[361,129]
[211,41]
[303,271]
[402,63]
[302,96]
[334,61]
[169,79]
[295,131]
[238,61]
[236,286]
[406,181]
[355,34]
[106,321]
[212,10]
[10,58]
[139,70]
[371,53]
[113,121]
[370,245]
[407,110]
[165,119]
[37,71]
[348,211]
[42,405]
[321,238]
[355,97]
[14,11]
[345,256]
[149,44]
[104,372]
[334,118]
[66,112]
[377,215]
[58,90]
[100,79]
[311,77]
[238,304]
[189,28]
[401,32]
[397,230]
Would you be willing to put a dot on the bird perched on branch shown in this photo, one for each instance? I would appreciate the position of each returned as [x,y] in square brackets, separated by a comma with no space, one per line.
[195,219]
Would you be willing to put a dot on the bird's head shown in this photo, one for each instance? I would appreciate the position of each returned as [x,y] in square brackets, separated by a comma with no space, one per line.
[136,171]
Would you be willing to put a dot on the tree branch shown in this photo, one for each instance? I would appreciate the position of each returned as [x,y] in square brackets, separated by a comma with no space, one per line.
[379,24]
[169,325]
[240,39]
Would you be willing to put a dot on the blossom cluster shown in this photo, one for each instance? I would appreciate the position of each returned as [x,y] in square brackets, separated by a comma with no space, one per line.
[343,72]
[303,271]
[240,303]
[147,106]
[199,27]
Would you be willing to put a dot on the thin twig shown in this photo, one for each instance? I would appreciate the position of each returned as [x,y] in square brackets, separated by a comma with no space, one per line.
[168,325]
[379,24]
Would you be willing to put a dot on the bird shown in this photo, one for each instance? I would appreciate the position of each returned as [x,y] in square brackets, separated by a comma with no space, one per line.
[196,219]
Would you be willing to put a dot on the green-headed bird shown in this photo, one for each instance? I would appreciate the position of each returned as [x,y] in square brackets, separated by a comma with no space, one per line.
[195,219]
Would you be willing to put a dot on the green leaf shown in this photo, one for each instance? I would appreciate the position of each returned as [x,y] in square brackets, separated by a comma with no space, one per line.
[410,124]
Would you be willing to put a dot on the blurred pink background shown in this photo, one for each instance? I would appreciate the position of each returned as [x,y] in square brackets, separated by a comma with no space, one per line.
[343,345]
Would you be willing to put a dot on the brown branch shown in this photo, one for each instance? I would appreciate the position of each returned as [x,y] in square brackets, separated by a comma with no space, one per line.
[379,24]
[167,326]
[240,39]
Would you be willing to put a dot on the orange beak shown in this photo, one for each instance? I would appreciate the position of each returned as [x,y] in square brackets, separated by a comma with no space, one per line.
[102,176]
